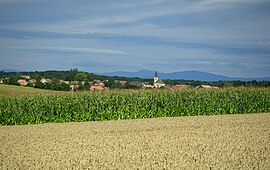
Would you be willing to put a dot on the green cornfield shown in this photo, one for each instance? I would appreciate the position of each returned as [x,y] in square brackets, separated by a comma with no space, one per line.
[114,105]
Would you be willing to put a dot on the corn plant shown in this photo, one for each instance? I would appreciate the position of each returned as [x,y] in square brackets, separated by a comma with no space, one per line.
[114,105]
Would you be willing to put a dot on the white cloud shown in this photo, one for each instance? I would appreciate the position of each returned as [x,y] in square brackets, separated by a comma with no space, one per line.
[95,23]
[16,1]
[232,1]
[71,49]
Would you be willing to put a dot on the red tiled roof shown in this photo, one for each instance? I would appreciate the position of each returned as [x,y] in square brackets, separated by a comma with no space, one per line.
[101,84]
[33,81]
[122,82]
[48,80]
[25,76]
[94,88]
[22,82]
[180,86]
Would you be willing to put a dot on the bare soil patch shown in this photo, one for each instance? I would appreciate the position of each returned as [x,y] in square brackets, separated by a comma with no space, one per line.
[199,142]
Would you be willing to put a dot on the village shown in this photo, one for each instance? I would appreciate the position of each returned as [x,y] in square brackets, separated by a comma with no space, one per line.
[101,85]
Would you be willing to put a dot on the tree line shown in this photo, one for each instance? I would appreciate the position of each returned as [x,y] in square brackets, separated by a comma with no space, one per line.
[109,81]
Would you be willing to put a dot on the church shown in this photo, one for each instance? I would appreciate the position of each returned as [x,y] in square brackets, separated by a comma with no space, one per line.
[158,83]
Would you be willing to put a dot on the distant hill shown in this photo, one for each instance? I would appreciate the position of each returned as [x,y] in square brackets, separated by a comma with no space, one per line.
[10,70]
[148,74]
[185,75]
[140,74]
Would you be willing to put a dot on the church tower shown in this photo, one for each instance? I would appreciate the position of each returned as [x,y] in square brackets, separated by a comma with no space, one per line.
[158,83]
[156,77]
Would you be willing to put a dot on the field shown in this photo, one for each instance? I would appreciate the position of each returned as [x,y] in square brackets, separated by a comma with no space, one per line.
[10,90]
[197,142]
[115,105]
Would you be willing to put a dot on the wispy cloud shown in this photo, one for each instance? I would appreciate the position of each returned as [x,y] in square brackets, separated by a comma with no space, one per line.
[134,11]
[86,22]
[70,50]
[15,1]
[232,1]
[251,47]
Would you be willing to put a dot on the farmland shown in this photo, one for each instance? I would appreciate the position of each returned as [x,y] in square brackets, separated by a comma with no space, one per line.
[115,105]
[228,138]
[197,142]
[10,90]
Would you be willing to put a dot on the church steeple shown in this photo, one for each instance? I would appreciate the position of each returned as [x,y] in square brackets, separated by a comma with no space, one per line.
[156,75]
[157,82]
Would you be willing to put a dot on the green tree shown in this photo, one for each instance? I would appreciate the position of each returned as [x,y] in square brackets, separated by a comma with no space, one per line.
[72,74]
[62,87]
[81,77]
[14,79]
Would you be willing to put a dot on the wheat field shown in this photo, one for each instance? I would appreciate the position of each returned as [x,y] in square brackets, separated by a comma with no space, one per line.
[197,142]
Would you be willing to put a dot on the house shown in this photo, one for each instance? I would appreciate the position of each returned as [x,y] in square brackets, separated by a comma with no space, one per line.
[22,82]
[215,87]
[146,83]
[135,83]
[148,86]
[73,87]
[204,87]
[96,88]
[168,87]
[3,80]
[97,81]
[32,81]
[74,82]
[25,77]
[63,81]
[122,82]
[101,84]
[158,83]
[46,80]
[179,87]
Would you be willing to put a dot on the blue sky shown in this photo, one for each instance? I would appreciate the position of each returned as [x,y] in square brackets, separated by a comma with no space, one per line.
[227,37]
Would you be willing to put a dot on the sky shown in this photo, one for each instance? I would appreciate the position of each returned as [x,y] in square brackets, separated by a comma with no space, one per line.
[226,37]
